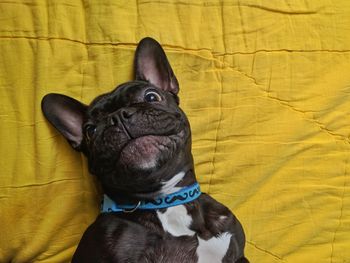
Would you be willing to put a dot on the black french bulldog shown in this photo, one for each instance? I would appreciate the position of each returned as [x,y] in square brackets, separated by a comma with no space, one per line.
[138,143]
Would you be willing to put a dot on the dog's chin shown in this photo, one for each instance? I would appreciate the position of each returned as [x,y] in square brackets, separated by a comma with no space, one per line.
[146,153]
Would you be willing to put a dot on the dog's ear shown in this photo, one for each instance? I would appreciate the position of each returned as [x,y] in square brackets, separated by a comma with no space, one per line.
[66,115]
[152,65]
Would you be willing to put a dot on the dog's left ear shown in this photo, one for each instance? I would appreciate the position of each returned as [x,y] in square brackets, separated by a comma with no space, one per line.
[152,65]
[66,115]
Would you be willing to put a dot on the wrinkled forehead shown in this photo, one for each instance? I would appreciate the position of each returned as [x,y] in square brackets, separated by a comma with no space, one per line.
[119,97]
[129,89]
[125,95]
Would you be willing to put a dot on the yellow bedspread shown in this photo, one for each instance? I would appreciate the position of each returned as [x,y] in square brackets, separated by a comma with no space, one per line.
[266,85]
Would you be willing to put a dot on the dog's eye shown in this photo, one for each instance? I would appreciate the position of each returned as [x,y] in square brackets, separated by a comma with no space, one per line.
[90,131]
[152,96]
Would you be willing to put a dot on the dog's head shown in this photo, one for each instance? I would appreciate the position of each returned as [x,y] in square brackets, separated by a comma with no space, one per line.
[135,137]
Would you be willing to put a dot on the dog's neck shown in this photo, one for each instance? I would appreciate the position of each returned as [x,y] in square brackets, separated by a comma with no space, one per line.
[175,183]
[182,195]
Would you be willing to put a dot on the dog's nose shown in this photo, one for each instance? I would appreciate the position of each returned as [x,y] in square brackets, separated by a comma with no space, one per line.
[113,119]
[126,113]
[121,115]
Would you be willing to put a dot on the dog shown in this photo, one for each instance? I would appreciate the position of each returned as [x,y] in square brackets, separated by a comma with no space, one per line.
[137,142]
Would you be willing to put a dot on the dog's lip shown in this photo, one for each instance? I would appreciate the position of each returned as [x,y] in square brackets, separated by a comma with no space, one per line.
[132,138]
[152,137]
[135,140]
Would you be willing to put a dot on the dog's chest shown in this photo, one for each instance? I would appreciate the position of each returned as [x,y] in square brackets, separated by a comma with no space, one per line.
[177,222]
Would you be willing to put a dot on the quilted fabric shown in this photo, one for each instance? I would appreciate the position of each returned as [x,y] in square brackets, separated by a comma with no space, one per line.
[266,85]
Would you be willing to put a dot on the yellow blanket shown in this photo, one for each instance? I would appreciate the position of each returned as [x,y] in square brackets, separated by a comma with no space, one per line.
[266,85]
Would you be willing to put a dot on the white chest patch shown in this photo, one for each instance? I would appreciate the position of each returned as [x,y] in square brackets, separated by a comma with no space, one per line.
[214,249]
[176,221]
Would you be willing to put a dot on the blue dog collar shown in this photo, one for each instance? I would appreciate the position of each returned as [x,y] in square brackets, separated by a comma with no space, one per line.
[185,195]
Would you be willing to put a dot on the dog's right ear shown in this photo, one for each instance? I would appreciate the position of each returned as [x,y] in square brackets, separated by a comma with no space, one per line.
[66,115]
[151,64]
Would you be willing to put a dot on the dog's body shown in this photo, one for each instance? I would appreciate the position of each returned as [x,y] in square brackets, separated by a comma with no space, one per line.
[138,144]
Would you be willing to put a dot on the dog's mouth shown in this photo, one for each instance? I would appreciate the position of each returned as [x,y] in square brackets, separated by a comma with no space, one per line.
[142,142]
[136,150]
[145,152]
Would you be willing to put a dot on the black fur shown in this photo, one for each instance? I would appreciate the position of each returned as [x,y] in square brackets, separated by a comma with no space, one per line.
[136,138]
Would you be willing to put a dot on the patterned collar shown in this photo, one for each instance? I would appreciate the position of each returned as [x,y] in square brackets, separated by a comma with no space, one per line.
[185,195]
